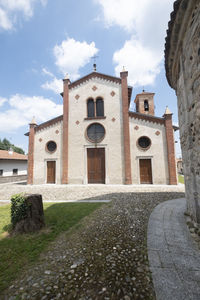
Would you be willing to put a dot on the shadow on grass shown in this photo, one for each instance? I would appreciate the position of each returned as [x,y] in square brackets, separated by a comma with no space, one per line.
[19,251]
[7,228]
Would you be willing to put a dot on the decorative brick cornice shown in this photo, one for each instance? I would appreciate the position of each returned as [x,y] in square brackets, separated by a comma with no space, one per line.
[101,76]
[94,75]
[148,118]
[47,124]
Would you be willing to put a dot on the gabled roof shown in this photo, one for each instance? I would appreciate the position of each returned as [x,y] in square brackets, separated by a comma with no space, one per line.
[94,75]
[47,124]
[143,94]
[4,154]
[101,76]
[149,118]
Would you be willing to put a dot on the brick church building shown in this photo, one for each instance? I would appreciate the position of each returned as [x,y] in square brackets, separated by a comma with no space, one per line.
[98,140]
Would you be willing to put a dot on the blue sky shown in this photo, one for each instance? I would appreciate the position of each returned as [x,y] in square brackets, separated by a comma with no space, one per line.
[42,40]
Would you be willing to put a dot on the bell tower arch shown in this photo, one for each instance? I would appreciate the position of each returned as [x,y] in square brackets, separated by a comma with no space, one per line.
[145,103]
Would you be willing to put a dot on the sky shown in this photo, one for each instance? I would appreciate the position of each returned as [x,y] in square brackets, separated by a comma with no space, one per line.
[43,40]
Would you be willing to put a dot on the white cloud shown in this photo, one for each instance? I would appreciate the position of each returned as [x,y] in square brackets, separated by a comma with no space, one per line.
[56,85]
[5,23]
[11,9]
[146,22]
[2,101]
[46,72]
[122,12]
[141,63]
[22,109]
[71,55]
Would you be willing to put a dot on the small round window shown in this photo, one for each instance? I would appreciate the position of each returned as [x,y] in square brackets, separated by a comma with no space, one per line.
[95,132]
[144,142]
[51,146]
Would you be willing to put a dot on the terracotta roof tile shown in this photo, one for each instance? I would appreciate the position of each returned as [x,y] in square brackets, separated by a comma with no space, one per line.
[16,156]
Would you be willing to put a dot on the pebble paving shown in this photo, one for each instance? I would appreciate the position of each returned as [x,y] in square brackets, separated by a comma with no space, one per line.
[105,258]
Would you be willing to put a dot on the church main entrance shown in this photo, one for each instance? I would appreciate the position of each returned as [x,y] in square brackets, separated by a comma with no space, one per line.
[96,165]
[145,171]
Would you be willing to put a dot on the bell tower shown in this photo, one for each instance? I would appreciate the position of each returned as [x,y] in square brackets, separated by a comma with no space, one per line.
[145,103]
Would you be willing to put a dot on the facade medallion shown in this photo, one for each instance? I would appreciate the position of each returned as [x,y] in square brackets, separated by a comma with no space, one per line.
[94,88]
[144,143]
[95,133]
[51,146]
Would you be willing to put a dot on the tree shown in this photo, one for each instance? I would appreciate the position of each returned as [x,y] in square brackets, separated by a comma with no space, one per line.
[6,145]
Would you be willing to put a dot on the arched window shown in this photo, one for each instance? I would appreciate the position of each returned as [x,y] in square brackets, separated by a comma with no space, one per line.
[90,107]
[99,107]
[146,105]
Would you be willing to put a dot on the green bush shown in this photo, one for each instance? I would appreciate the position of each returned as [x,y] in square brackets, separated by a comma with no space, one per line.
[19,208]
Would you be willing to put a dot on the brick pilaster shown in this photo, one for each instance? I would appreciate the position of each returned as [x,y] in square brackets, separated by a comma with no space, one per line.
[31,152]
[170,149]
[125,110]
[65,131]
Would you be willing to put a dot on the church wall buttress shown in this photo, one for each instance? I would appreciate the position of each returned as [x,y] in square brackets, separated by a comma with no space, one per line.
[65,132]
[31,153]
[125,109]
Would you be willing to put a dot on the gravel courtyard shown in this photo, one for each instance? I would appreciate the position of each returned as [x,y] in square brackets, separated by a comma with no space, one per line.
[105,258]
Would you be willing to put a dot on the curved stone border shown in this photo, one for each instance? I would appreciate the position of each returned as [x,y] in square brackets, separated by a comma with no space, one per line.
[173,256]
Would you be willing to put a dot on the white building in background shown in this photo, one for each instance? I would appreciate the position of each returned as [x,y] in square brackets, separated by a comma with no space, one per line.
[13,166]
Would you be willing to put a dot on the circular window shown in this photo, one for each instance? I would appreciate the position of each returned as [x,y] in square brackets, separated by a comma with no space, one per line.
[51,146]
[144,142]
[95,132]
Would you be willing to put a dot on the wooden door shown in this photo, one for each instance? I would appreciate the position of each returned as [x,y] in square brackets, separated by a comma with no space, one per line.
[51,172]
[145,171]
[96,165]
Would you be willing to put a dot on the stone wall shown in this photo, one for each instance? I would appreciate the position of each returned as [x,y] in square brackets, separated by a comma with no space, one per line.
[17,178]
[182,60]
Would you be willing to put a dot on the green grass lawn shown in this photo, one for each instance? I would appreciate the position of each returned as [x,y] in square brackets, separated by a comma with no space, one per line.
[17,252]
[180,179]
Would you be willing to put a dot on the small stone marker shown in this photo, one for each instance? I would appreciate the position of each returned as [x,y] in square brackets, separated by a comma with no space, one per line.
[35,215]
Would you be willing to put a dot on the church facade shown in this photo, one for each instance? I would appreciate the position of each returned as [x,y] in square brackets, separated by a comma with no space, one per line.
[98,140]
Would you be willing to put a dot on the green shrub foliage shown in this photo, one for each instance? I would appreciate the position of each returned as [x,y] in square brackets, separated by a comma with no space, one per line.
[19,208]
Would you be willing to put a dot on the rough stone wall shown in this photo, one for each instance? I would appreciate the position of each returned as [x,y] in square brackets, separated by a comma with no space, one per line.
[184,77]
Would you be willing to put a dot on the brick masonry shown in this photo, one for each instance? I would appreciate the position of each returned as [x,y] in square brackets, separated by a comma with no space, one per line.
[170,149]
[125,109]
[65,131]
[31,153]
